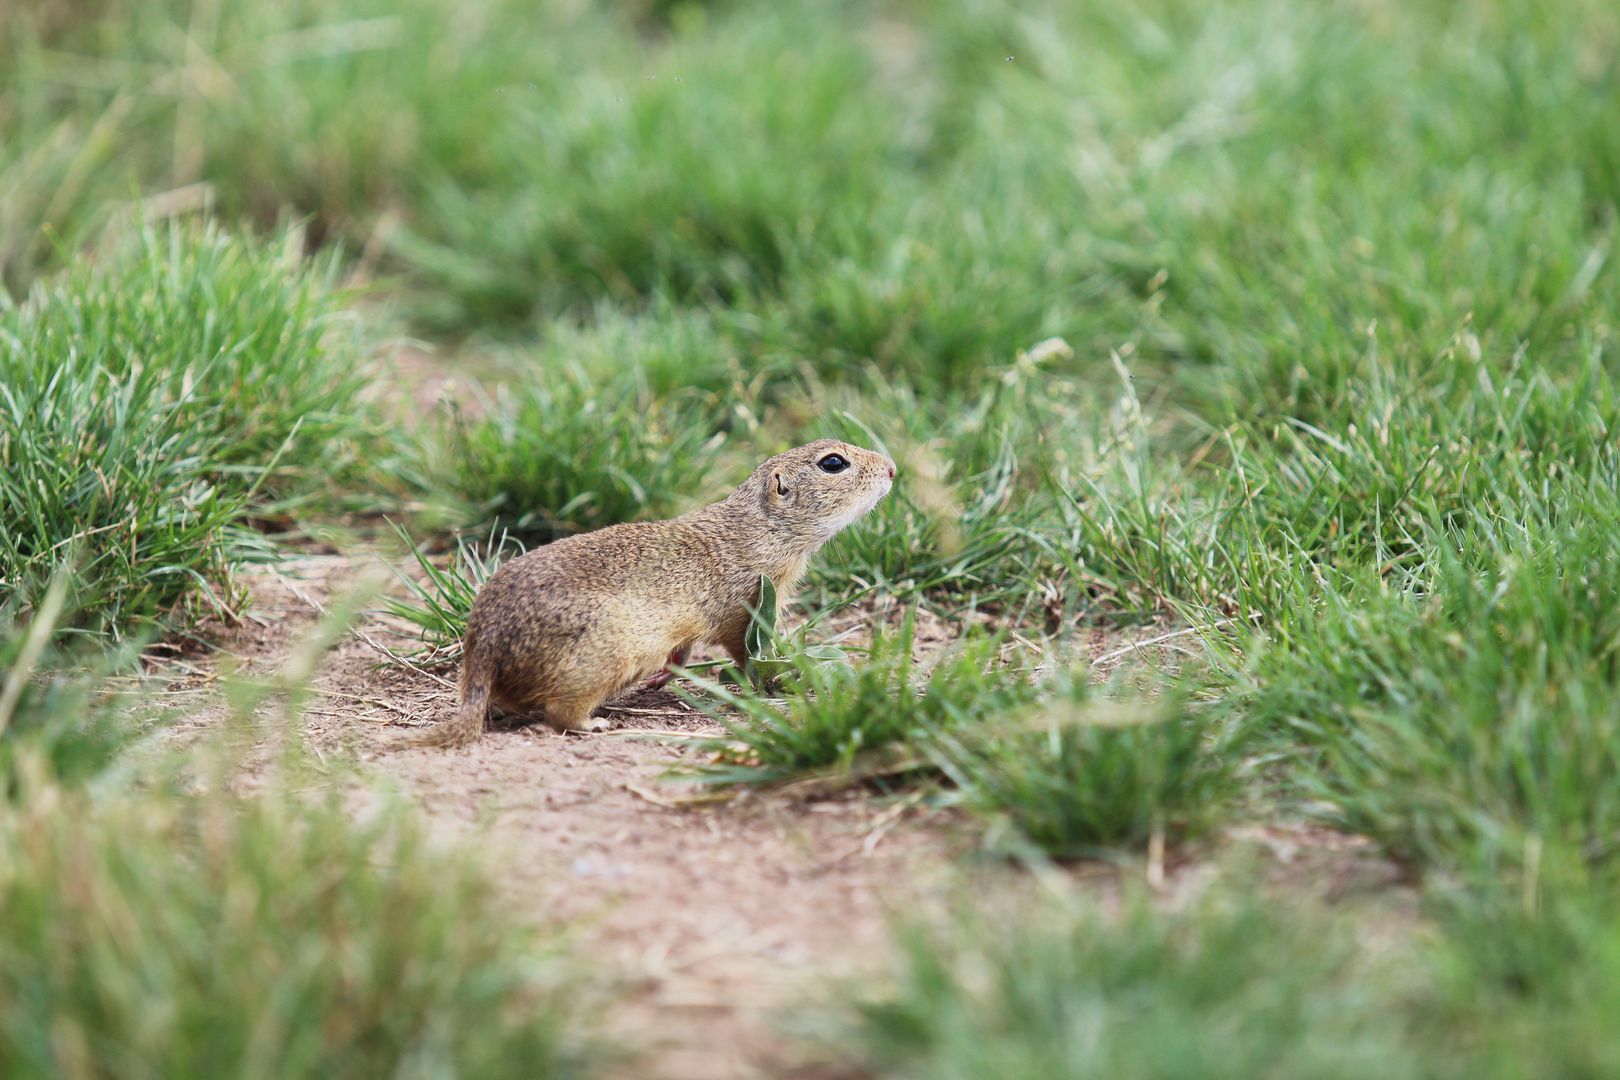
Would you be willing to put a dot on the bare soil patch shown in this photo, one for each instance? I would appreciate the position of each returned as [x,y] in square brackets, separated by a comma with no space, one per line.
[705,919]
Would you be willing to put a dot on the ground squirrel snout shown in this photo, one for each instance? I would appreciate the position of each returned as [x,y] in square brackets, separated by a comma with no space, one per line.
[559,630]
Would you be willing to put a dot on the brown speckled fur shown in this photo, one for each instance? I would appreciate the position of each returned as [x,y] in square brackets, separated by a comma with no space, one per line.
[561,629]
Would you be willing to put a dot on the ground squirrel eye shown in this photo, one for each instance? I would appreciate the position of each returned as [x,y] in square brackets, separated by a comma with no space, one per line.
[832,463]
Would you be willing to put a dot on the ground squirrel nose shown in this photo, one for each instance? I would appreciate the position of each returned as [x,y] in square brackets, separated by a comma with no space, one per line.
[891,472]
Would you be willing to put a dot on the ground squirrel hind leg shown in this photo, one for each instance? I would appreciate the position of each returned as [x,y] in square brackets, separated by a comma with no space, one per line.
[574,714]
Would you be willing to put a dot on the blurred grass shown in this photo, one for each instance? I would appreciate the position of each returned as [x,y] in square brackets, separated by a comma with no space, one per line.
[70,724]
[1229,982]
[148,935]
[1227,987]
[161,922]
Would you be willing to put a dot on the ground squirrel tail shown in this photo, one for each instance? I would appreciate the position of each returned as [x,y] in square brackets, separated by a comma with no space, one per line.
[476,675]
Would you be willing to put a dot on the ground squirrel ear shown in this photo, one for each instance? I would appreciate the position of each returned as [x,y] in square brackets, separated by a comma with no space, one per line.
[779,489]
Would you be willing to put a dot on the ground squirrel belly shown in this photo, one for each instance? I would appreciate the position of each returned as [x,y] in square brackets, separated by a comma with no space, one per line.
[557,631]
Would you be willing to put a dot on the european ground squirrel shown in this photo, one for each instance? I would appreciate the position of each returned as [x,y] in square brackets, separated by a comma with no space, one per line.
[559,630]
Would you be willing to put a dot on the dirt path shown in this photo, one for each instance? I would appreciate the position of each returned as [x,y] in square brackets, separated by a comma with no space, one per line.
[704,924]
[705,920]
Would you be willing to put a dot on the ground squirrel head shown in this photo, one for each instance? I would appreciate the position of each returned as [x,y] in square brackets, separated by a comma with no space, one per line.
[813,491]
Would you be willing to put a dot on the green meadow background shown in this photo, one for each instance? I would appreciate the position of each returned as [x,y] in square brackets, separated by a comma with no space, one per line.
[1287,328]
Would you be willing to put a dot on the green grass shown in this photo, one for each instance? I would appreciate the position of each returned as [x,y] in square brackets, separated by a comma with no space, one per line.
[467,177]
[150,402]
[1225,989]
[1337,288]
[1086,773]
[159,922]
[1234,983]
[1052,764]
[959,520]
[572,215]
[439,601]
[147,935]
[556,451]
[349,115]
[71,724]
[838,719]
[1473,724]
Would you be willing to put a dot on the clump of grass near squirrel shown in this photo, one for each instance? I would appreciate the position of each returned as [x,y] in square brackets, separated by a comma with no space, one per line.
[559,630]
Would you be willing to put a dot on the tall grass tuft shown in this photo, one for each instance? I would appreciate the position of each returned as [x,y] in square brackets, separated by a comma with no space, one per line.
[844,721]
[1082,773]
[440,598]
[150,401]
[1470,726]
[556,452]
